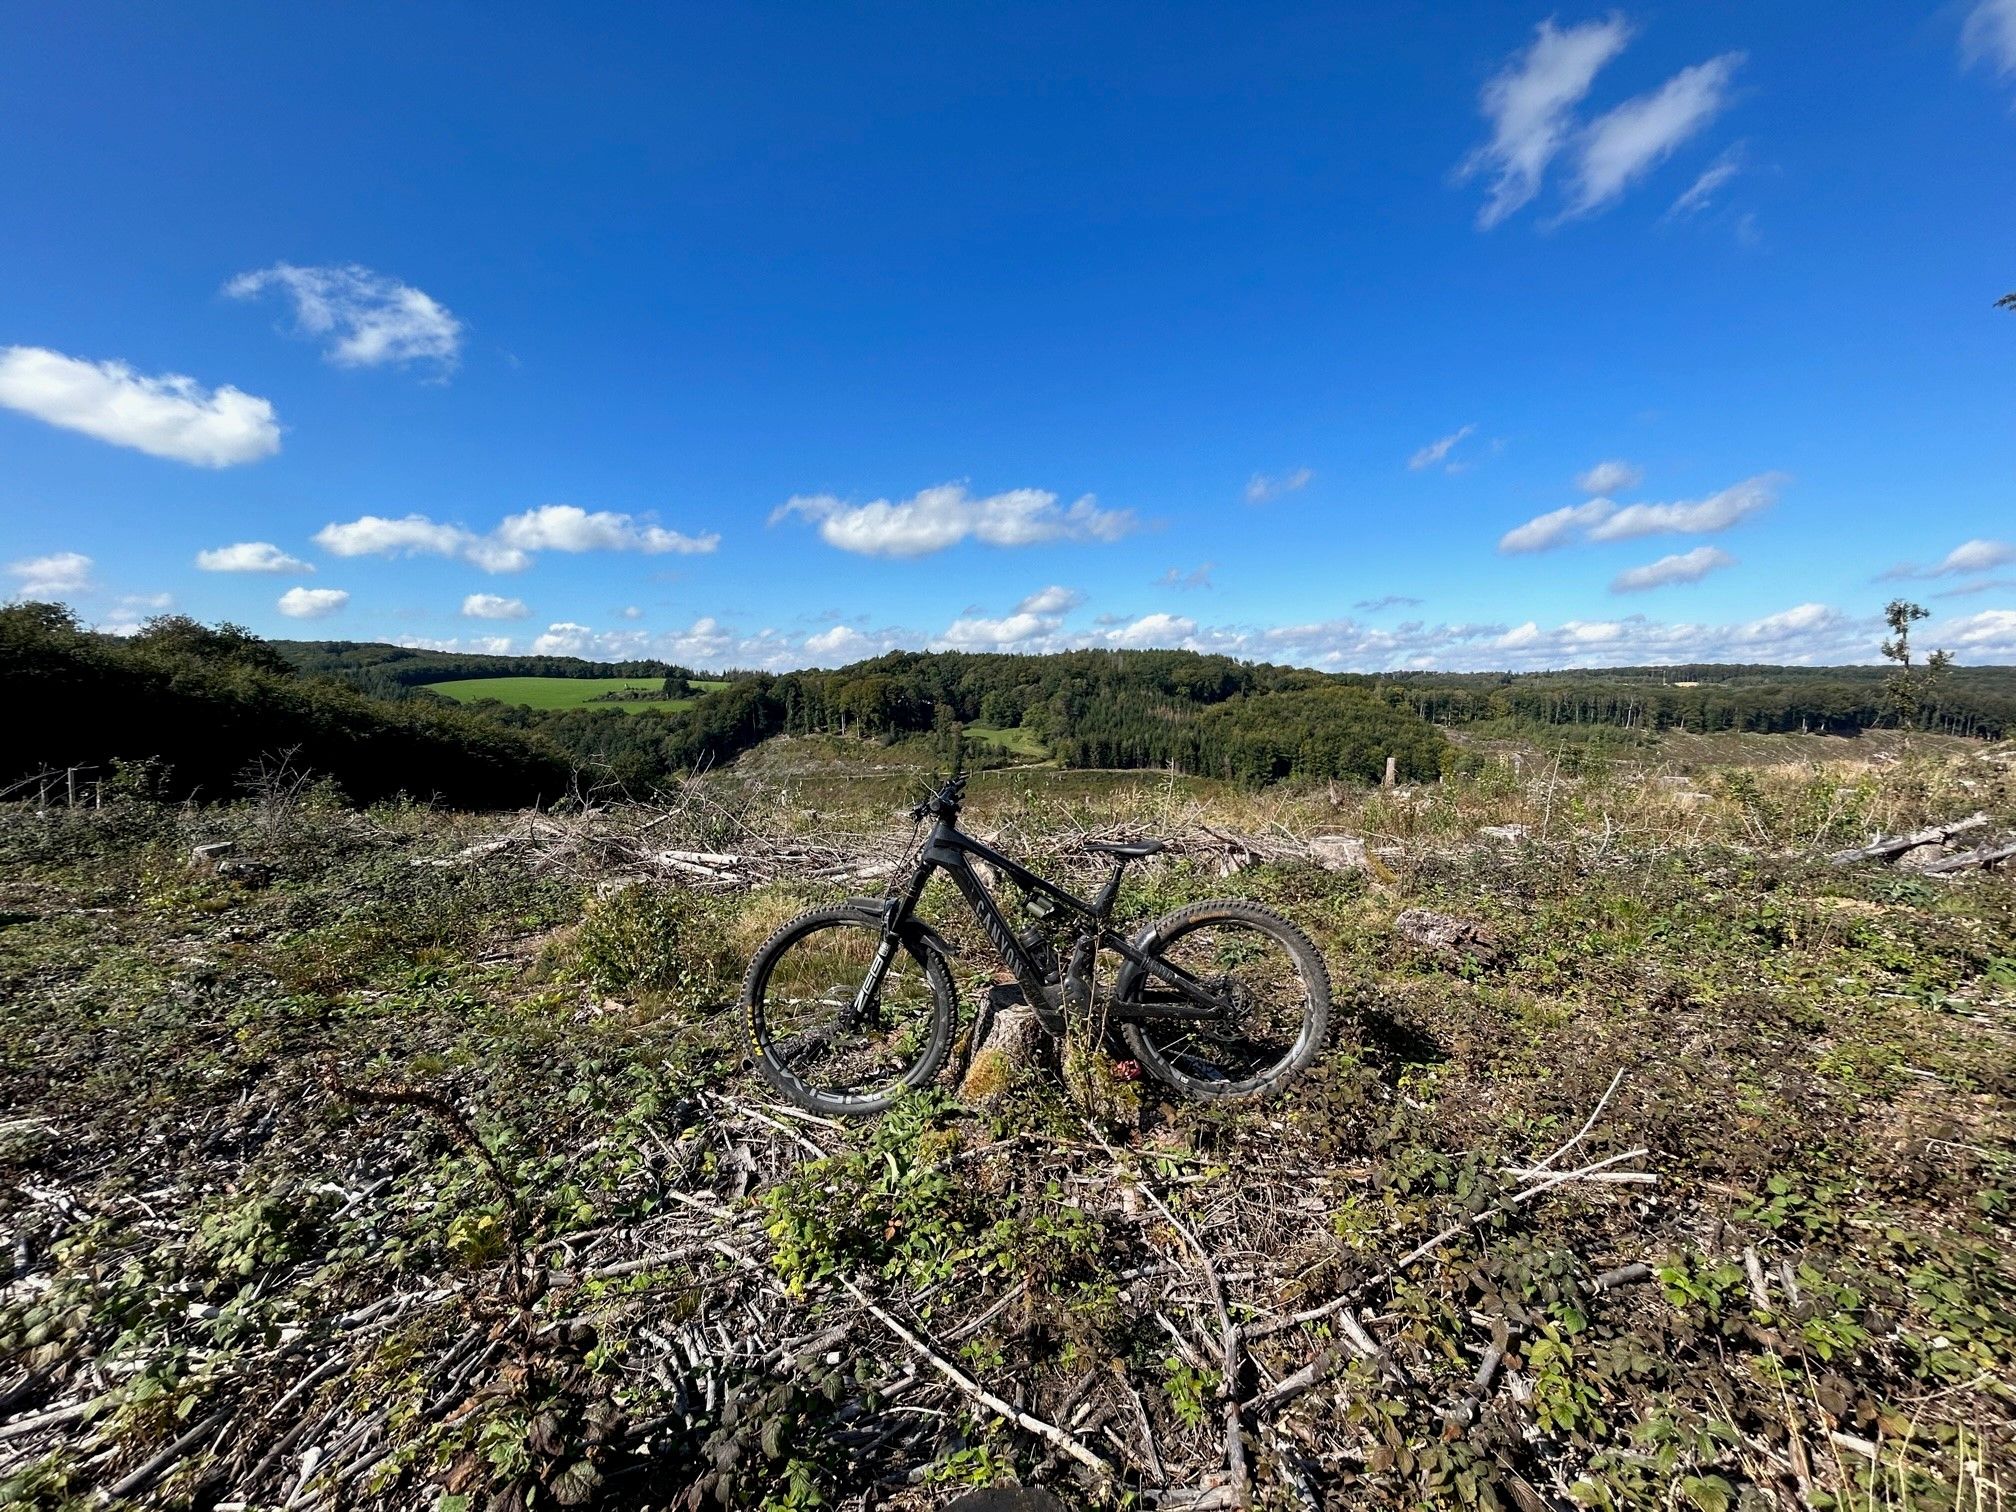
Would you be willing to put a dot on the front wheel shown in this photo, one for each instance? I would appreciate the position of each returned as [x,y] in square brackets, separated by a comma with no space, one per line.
[1265,970]
[814,1045]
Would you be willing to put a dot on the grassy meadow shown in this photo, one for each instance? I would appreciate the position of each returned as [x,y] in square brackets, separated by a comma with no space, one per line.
[565,692]
[413,1160]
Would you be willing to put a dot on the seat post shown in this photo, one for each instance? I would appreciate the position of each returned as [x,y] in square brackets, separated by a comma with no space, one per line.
[1103,904]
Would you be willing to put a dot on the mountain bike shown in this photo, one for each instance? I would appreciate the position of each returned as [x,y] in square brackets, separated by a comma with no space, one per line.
[850,1005]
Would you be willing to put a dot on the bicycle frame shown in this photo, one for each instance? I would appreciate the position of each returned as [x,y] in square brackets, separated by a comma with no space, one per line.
[951,851]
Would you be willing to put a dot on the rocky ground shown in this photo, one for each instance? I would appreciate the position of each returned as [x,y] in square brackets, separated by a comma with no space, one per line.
[408,1159]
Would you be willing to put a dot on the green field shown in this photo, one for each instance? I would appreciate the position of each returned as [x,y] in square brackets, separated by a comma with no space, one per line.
[1018,740]
[563,692]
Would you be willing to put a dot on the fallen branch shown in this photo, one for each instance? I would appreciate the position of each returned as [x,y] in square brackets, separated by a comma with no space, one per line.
[158,1466]
[1229,1350]
[54,1418]
[1523,1195]
[1966,860]
[1624,1275]
[1896,845]
[1056,1437]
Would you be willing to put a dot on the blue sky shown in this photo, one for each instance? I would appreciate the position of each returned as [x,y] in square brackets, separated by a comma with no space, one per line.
[1465,335]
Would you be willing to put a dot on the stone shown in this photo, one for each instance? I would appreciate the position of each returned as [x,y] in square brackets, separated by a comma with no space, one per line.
[1339,853]
[215,850]
[1506,832]
[1921,856]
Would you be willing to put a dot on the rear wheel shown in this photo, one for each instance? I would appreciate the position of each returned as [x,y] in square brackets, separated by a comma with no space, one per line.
[1271,978]
[813,1045]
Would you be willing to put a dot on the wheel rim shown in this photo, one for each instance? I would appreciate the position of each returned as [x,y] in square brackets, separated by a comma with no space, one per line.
[1259,976]
[807,1025]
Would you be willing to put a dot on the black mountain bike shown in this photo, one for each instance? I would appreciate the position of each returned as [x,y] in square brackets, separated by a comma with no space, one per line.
[850,1005]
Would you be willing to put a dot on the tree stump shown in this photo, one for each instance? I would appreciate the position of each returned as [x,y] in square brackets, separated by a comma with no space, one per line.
[1013,1044]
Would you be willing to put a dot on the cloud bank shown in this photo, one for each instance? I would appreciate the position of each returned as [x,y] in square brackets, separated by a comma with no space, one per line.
[937,518]
[512,546]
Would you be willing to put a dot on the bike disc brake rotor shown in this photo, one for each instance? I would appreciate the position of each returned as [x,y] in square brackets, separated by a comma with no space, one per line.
[1234,1023]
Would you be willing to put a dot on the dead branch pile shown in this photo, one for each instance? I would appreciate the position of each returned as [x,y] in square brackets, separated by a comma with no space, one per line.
[632,842]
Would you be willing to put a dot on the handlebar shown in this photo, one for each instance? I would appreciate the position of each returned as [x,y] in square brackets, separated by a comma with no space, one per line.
[944,803]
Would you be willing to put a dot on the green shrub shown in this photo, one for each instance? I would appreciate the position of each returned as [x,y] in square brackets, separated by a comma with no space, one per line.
[657,939]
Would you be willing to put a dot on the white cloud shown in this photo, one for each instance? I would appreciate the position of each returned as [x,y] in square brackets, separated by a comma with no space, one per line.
[1544,532]
[567,527]
[43,576]
[1435,451]
[839,645]
[936,518]
[415,535]
[1976,556]
[1036,625]
[1964,560]
[1988,636]
[1702,190]
[1264,489]
[1011,632]
[1718,511]
[1804,634]
[1626,143]
[1051,600]
[250,556]
[487,645]
[509,548]
[371,319]
[565,638]
[1529,105]
[1682,567]
[1989,35]
[493,606]
[312,603]
[170,416]
[1605,520]
[1161,630]
[1383,602]
[1610,477]
[631,612]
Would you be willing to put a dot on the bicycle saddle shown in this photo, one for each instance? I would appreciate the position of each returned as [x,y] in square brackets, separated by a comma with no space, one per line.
[1129,849]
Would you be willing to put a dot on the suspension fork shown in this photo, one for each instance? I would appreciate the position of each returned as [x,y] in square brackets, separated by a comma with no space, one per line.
[898,909]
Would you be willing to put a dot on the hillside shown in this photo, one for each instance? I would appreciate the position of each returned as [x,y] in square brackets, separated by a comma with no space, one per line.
[488,730]
[185,711]
[409,1159]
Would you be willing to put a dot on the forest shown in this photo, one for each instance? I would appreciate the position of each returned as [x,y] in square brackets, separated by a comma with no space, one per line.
[1973,701]
[191,709]
[183,710]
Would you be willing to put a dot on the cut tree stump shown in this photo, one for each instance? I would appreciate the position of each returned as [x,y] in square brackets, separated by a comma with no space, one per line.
[1013,1045]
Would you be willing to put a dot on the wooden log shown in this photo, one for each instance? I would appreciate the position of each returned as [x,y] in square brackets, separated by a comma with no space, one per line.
[1966,860]
[1895,845]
